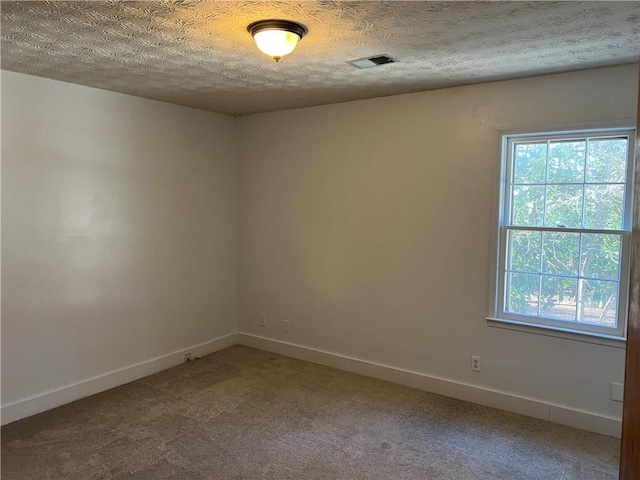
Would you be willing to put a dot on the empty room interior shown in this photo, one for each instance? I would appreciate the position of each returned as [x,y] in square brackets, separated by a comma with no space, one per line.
[320,240]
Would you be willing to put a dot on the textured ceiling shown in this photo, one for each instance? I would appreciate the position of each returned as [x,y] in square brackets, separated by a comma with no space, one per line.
[199,54]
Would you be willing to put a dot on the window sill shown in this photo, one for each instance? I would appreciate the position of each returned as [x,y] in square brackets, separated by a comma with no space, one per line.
[586,337]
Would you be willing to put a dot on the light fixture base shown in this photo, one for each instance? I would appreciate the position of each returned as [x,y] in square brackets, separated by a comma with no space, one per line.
[277,24]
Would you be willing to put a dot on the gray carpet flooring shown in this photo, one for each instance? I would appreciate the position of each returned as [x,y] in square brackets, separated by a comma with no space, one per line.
[243,413]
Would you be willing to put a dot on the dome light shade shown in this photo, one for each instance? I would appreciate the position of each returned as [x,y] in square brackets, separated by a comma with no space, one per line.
[277,38]
[276,43]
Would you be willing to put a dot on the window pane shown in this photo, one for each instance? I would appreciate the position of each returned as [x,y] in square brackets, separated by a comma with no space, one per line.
[604,206]
[564,206]
[566,162]
[600,256]
[530,162]
[522,293]
[524,251]
[527,205]
[607,160]
[560,253]
[598,303]
[558,298]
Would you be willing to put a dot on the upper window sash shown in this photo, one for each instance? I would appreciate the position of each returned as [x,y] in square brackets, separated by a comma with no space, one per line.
[508,172]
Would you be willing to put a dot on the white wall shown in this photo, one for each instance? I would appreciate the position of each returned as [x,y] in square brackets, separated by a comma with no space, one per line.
[368,225]
[118,235]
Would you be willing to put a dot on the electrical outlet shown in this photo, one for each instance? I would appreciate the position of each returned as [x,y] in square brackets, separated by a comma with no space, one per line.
[475,363]
[187,357]
[617,392]
[263,320]
[285,326]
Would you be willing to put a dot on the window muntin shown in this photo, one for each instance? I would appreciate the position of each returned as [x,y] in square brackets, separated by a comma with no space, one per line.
[564,231]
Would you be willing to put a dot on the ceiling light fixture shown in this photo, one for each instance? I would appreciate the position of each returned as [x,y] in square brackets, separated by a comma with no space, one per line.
[277,38]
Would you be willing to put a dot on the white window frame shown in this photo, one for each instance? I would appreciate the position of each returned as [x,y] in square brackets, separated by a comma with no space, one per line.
[538,324]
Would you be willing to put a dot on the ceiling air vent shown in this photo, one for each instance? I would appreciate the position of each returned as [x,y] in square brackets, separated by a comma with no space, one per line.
[371,61]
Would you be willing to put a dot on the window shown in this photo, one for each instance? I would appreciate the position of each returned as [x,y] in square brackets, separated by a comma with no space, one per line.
[564,231]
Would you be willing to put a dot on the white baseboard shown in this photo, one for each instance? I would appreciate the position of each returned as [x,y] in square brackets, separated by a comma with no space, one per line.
[55,398]
[589,421]
[592,422]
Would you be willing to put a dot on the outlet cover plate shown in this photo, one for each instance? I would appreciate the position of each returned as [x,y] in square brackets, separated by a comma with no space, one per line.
[617,391]
[475,363]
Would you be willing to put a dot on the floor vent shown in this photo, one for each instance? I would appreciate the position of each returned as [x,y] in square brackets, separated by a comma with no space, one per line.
[371,61]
